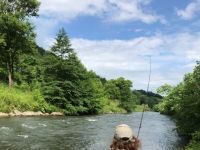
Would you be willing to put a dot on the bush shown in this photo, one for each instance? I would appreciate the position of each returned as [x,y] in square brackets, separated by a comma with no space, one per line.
[111,106]
[16,99]
[195,142]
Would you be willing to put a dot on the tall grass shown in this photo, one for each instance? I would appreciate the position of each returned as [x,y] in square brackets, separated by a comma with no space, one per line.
[14,98]
[23,99]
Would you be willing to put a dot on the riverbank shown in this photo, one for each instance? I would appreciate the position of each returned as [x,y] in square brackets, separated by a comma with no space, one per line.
[29,113]
[19,101]
[23,99]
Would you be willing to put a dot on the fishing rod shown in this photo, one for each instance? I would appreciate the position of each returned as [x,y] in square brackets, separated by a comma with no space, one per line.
[147,90]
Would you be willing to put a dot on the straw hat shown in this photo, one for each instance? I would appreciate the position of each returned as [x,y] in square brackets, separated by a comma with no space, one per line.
[123,131]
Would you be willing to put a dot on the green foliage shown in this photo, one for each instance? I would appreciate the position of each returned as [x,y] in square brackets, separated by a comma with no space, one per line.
[2,41]
[164,89]
[20,8]
[67,84]
[3,74]
[120,89]
[149,98]
[15,27]
[193,146]
[139,108]
[183,104]
[170,103]
[23,100]
[195,142]
[28,69]
[112,90]
[112,106]
[62,47]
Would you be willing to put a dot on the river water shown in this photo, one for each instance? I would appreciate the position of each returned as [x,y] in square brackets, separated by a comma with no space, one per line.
[85,133]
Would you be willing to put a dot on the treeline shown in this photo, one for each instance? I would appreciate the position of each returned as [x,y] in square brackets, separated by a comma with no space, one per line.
[148,98]
[183,103]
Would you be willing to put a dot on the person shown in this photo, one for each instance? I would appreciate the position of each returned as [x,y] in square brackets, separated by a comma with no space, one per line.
[124,139]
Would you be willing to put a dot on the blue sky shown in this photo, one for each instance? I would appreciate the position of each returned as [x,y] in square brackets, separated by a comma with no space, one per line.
[114,37]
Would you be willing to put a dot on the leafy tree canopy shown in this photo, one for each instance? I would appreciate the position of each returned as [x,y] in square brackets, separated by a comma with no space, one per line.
[164,89]
[15,27]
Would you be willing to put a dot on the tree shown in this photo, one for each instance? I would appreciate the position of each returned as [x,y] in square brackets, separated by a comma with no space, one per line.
[112,90]
[164,89]
[67,83]
[183,103]
[16,32]
[28,69]
[149,98]
[120,89]
[62,46]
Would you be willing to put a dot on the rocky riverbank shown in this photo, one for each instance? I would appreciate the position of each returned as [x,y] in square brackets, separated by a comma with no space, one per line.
[29,113]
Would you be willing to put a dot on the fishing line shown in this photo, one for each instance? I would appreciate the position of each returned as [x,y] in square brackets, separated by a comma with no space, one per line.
[147,93]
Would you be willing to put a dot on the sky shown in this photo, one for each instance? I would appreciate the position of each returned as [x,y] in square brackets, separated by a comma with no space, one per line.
[115,38]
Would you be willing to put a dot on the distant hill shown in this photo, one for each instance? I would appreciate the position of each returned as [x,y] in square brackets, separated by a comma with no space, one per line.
[149,98]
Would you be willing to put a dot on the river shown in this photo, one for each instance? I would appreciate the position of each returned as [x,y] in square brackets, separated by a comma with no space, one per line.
[85,133]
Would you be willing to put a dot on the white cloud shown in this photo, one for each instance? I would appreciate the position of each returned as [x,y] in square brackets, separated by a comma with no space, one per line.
[70,9]
[185,44]
[190,11]
[172,57]
[138,30]
[128,10]
[108,10]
